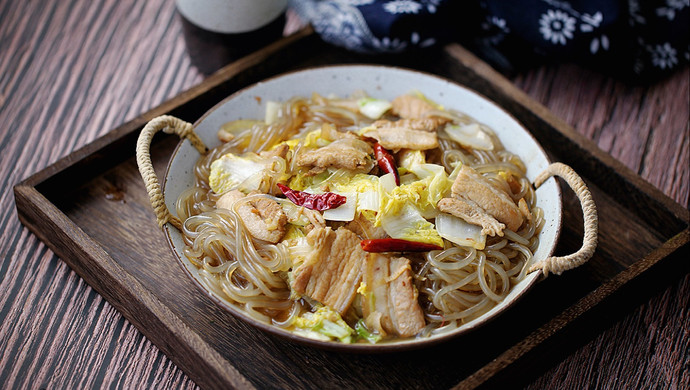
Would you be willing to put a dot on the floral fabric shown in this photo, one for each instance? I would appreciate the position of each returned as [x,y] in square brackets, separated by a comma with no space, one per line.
[629,38]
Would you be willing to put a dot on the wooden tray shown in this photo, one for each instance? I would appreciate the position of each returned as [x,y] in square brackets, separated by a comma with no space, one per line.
[92,210]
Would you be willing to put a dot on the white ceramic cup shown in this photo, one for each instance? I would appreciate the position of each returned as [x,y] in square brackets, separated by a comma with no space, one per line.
[231,16]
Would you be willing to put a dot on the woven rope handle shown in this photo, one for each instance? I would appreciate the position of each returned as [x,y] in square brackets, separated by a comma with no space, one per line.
[558,264]
[171,125]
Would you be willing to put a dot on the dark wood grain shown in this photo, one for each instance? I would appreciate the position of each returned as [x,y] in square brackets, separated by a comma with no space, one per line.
[72,70]
[62,67]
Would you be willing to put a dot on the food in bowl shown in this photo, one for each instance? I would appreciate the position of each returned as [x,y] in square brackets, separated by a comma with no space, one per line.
[360,220]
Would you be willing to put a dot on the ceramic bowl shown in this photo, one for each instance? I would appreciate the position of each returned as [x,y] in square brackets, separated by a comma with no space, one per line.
[382,82]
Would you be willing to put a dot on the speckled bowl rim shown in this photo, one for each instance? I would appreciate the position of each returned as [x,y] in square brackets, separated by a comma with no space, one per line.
[391,346]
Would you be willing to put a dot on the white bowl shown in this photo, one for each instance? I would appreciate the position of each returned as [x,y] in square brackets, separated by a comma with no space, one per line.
[386,83]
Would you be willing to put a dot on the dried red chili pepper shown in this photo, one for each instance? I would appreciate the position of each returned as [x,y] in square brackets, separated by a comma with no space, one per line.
[386,162]
[396,245]
[320,202]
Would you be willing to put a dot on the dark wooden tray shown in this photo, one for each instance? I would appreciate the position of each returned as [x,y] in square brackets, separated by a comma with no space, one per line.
[92,210]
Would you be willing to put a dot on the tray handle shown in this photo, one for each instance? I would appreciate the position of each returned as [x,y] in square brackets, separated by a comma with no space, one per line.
[558,264]
[170,125]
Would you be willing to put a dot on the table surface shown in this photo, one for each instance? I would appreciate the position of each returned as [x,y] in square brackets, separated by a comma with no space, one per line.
[72,70]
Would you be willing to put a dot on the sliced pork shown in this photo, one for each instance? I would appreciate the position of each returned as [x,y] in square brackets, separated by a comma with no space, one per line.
[390,304]
[473,186]
[472,213]
[524,209]
[396,138]
[353,154]
[332,272]
[409,106]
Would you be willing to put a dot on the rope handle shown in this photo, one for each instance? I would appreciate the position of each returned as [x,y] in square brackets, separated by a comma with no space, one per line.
[558,264]
[170,125]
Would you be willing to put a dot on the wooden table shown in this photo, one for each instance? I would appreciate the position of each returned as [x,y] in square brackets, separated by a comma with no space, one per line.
[72,70]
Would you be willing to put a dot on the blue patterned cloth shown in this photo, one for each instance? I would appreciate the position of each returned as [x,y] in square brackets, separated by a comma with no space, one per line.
[633,39]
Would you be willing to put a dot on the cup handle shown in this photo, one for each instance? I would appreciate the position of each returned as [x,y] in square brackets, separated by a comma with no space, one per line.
[170,125]
[558,264]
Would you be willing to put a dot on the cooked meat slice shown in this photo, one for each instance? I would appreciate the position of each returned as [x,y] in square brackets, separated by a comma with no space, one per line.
[390,303]
[473,186]
[332,272]
[330,133]
[425,124]
[395,138]
[472,213]
[263,217]
[353,154]
[280,150]
[524,209]
[408,106]
[365,228]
